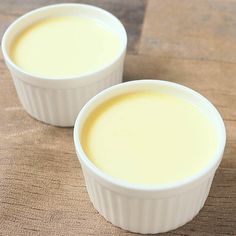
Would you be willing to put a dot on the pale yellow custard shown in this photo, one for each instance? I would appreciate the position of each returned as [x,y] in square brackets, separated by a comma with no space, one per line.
[65,46]
[148,137]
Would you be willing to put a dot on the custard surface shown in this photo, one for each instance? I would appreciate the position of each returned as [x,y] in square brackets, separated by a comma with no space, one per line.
[149,138]
[65,46]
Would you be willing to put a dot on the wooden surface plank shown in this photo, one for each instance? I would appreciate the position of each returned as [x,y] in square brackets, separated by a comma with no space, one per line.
[196,29]
[42,190]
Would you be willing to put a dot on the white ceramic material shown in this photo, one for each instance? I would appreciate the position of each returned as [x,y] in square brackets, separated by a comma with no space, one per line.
[58,101]
[144,208]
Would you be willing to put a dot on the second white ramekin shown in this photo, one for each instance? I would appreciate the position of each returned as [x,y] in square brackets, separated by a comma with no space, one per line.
[58,101]
[155,208]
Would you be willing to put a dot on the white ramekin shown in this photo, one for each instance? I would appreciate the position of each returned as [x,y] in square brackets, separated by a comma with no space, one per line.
[58,101]
[154,208]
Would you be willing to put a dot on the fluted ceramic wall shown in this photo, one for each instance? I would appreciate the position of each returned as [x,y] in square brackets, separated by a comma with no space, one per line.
[147,215]
[61,106]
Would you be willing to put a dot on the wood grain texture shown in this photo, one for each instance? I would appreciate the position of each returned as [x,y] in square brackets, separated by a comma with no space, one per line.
[42,190]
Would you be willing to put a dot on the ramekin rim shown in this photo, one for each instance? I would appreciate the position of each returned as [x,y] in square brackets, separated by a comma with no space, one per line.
[146,187]
[72,78]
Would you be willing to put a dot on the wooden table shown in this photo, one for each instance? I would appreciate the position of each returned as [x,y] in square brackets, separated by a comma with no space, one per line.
[192,42]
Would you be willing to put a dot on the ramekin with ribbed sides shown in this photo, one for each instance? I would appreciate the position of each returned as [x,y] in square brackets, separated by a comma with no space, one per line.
[138,182]
[56,100]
